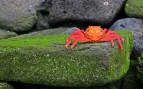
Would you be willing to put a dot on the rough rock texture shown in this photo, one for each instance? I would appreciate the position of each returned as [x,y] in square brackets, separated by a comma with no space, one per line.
[18,15]
[134,25]
[6,34]
[45,60]
[134,8]
[5,86]
[97,11]
[51,31]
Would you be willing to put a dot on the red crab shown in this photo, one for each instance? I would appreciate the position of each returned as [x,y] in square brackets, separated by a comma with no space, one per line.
[94,34]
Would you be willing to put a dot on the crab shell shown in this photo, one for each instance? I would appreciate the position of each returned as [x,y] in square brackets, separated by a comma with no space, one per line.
[94,34]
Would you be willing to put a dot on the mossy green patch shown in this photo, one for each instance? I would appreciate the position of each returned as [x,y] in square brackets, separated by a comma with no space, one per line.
[36,41]
[5,86]
[45,60]
[134,8]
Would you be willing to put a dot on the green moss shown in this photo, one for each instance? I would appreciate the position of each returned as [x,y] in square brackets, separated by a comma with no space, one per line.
[37,41]
[124,55]
[134,8]
[5,86]
[45,60]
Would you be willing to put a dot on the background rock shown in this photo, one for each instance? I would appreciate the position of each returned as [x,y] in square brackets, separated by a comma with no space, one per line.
[33,86]
[134,8]
[139,68]
[18,15]
[130,81]
[6,34]
[96,11]
[134,25]
[45,60]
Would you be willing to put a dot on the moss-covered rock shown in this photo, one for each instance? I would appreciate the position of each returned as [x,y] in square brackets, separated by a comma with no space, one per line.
[5,86]
[6,34]
[18,15]
[45,60]
[134,8]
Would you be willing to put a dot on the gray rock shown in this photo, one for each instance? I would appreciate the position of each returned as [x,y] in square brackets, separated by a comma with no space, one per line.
[18,15]
[97,11]
[6,34]
[135,25]
[51,31]
[132,24]
[42,22]
[70,30]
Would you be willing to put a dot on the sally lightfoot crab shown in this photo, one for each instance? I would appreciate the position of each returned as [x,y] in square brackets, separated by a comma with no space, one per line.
[94,34]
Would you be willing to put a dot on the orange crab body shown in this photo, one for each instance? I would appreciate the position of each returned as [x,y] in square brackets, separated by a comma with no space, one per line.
[94,34]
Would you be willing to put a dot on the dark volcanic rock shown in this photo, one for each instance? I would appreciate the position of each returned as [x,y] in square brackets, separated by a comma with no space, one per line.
[135,25]
[18,15]
[95,11]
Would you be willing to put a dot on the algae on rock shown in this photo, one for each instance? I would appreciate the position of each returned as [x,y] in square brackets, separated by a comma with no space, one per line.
[134,8]
[5,86]
[45,60]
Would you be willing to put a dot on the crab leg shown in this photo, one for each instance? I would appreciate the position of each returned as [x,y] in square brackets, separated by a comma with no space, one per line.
[120,45]
[74,44]
[68,42]
[112,43]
